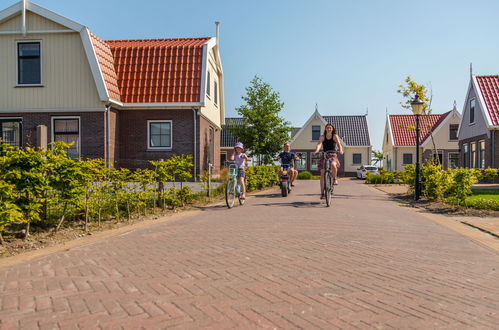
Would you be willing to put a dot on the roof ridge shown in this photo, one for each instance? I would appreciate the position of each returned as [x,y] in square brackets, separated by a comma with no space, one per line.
[158,39]
[488,75]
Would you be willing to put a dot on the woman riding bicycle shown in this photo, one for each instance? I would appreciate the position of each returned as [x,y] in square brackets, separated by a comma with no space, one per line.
[240,158]
[330,142]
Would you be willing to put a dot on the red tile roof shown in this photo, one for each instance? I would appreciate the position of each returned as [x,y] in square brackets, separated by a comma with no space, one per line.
[489,87]
[106,63]
[403,127]
[158,70]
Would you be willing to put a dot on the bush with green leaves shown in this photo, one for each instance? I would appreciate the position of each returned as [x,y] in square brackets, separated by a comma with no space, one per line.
[9,211]
[304,175]
[384,177]
[491,174]
[261,176]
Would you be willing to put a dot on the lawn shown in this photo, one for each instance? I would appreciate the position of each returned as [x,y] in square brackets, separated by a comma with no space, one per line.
[484,199]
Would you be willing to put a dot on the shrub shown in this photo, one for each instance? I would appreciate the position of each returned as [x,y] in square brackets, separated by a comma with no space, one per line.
[305,175]
[384,177]
[261,176]
[490,174]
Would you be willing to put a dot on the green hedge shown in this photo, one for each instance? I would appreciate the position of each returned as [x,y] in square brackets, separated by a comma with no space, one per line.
[305,175]
[261,176]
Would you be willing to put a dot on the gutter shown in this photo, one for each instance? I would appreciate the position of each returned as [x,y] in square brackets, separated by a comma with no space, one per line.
[194,154]
[108,135]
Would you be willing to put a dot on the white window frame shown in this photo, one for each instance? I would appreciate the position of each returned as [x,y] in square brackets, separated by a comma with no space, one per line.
[17,62]
[481,158]
[52,130]
[208,84]
[149,134]
[474,111]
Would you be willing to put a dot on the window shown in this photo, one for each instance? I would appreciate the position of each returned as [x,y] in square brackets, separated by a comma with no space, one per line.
[68,130]
[301,164]
[472,111]
[159,134]
[438,157]
[466,162]
[29,70]
[481,154]
[386,137]
[316,132]
[357,159]
[10,132]
[473,155]
[208,84]
[406,159]
[223,159]
[314,161]
[215,91]
[453,160]
[453,131]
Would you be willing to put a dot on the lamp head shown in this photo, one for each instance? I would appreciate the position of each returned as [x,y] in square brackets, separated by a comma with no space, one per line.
[417,105]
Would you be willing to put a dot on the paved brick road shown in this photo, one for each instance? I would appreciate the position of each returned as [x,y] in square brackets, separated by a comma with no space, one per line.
[273,263]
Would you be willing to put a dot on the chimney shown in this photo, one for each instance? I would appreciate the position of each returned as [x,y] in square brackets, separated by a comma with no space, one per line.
[218,32]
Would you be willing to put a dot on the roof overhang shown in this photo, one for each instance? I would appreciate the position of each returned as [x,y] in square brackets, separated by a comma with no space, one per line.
[315,115]
[483,105]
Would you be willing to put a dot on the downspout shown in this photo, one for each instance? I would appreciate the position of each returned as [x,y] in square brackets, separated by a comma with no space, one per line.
[194,155]
[108,135]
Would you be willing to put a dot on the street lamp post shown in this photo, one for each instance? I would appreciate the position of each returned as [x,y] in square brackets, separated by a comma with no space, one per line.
[417,109]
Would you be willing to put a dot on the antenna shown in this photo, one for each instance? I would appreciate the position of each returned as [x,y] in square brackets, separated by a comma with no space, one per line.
[23,27]
[387,111]
[217,24]
[471,70]
[367,111]
[316,107]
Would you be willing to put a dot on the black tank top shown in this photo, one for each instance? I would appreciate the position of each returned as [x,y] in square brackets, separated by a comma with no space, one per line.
[328,145]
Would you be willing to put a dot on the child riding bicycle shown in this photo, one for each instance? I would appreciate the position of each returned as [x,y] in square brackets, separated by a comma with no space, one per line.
[240,159]
[330,143]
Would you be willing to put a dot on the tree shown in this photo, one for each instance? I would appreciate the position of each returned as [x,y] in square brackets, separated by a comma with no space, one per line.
[409,91]
[262,131]
[377,157]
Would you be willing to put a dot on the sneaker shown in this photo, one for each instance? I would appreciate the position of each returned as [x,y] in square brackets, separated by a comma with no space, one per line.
[242,197]
[323,197]
[335,182]
[292,185]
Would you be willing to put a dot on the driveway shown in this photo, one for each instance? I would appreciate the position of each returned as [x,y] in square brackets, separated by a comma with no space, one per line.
[273,263]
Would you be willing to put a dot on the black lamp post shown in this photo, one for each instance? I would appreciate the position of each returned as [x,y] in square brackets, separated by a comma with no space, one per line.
[417,109]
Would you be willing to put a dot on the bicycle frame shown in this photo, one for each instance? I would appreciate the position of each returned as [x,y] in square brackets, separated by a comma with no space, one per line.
[327,177]
[233,186]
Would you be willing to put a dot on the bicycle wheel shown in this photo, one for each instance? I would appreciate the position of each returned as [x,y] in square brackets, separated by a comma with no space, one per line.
[328,188]
[230,193]
[284,189]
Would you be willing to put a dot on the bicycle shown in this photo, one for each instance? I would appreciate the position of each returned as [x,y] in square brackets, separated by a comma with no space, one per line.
[285,183]
[328,178]
[233,186]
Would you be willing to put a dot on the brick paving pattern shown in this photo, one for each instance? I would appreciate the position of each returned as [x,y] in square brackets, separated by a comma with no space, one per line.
[273,263]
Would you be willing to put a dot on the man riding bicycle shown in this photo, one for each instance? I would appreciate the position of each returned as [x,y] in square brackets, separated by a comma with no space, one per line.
[288,158]
[330,143]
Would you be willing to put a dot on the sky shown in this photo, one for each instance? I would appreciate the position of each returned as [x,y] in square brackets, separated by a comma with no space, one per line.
[349,57]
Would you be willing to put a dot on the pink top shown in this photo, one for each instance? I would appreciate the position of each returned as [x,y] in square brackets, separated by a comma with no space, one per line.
[239,160]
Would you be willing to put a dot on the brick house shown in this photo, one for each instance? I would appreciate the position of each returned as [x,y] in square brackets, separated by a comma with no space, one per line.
[399,139]
[126,101]
[479,128]
[354,137]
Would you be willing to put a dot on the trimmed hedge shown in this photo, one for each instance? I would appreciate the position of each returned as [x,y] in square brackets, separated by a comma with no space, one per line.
[261,176]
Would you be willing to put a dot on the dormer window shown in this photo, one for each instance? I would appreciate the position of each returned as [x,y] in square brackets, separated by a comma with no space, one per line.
[316,132]
[453,131]
[29,68]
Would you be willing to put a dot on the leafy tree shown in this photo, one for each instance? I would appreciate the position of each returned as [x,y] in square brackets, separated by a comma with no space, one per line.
[262,131]
[377,157]
[409,91]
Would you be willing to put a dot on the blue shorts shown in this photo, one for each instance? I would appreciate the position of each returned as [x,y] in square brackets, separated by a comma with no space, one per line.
[241,173]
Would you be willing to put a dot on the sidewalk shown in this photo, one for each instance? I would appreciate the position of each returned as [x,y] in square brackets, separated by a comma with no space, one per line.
[487,224]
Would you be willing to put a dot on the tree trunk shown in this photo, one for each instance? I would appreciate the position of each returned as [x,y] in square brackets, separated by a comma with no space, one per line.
[1,239]
[26,234]
[86,212]
[117,210]
[99,217]
[62,217]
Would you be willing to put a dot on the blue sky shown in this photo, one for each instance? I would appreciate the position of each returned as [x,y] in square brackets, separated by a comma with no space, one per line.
[346,56]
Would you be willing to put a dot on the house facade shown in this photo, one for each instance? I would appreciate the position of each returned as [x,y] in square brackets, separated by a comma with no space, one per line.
[126,101]
[353,132]
[399,140]
[479,128]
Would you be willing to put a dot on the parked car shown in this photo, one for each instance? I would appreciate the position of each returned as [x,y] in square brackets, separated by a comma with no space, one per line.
[362,171]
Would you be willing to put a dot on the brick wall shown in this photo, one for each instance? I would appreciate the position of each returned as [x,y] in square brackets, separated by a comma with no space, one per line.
[132,144]
[427,154]
[92,127]
[495,154]
[476,139]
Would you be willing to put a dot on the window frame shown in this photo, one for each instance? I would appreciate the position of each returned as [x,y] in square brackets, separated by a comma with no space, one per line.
[473,155]
[456,126]
[481,154]
[472,110]
[313,132]
[208,84]
[52,130]
[18,42]
[466,152]
[353,158]
[149,147]
[314,156]
[215,92]
[302,161]
[449,163]
[14,119]
[403,158]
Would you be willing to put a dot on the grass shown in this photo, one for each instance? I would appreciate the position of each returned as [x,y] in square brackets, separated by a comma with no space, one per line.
[484,199]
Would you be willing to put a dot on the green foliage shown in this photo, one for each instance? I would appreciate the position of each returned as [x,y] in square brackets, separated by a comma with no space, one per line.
[435,182]
[262,131]
[491,174]
[305,175]
[384,177]
[462,181]
[9,211]
[261,176]
[412,88]
[377,157]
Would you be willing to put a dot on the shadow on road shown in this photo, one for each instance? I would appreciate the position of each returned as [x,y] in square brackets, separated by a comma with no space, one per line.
[293,204]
